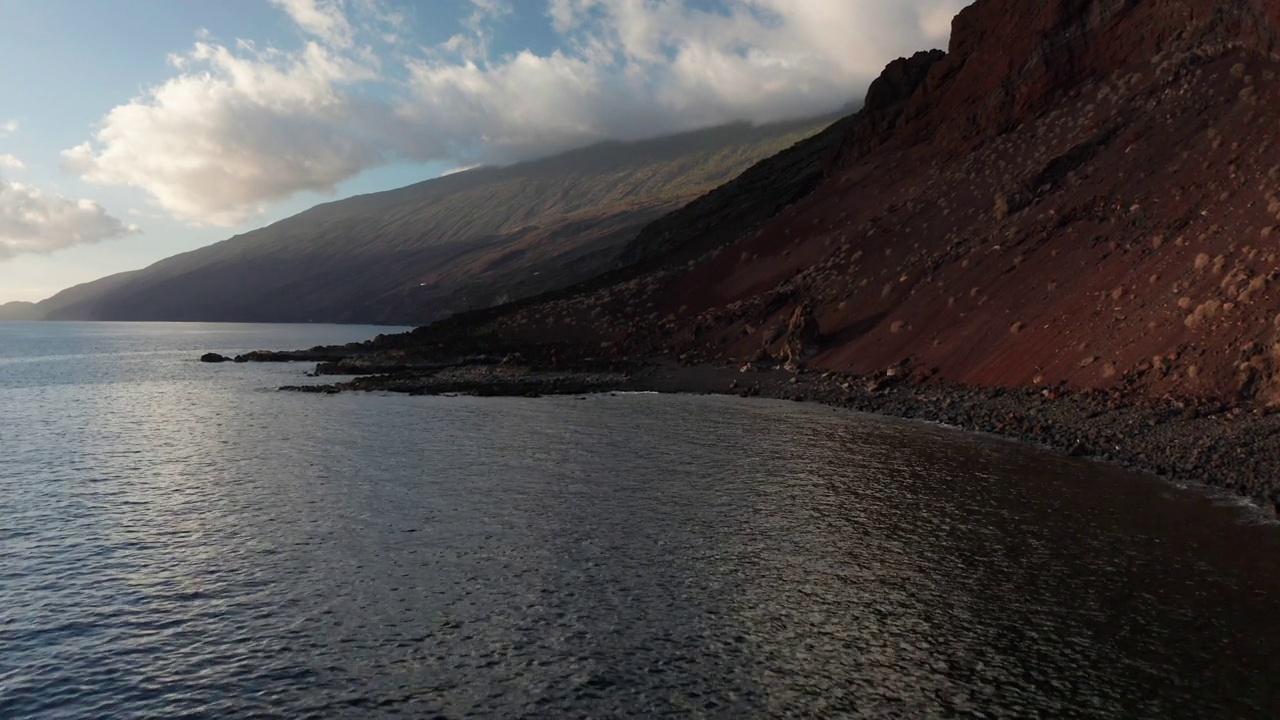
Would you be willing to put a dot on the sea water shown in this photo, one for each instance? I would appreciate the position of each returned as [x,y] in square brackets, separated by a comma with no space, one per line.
[180,539]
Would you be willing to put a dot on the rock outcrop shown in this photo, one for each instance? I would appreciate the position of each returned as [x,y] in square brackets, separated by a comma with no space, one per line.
[800,342]
[889,93]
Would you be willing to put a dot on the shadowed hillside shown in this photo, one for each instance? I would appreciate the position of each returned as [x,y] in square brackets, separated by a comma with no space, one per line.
[18,310]
[429,250]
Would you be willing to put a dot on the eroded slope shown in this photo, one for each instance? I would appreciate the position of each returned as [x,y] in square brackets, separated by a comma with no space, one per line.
[1079,193]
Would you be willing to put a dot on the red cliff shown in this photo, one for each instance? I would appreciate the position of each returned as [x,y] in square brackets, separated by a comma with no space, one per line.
[1078,192]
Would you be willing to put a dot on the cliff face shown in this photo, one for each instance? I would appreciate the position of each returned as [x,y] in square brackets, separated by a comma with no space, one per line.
[1080,192]
[1010,61]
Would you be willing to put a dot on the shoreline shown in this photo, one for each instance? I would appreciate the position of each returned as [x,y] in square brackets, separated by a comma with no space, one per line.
[1214,445]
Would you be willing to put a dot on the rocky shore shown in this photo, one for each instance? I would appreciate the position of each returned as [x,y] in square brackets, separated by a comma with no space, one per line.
[1230,447]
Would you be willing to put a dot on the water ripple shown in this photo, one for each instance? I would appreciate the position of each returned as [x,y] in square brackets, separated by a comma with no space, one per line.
[178,544]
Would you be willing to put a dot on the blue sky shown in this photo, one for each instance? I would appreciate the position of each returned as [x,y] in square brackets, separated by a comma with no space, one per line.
[135,130]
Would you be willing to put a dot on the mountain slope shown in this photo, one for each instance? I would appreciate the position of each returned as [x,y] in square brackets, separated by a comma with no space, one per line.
[432,249]
[18,310]
[1080,192]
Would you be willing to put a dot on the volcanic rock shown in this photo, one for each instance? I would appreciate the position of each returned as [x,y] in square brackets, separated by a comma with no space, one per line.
[800,341]
[1078,195]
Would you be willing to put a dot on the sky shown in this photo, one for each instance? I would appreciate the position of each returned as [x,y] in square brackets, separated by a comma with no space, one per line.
[135,130]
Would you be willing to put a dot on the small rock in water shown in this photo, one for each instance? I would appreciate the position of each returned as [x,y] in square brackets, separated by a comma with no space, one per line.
[214,358]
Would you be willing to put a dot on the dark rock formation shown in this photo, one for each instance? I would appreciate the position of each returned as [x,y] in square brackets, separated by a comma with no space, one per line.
[315,355]
[800,342]
[887,96]
[214,358]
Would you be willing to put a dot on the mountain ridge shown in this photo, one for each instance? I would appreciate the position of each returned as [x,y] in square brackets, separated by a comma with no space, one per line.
[19,310]
[390,257]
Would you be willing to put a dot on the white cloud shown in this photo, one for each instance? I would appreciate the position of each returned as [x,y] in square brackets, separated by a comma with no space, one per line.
[473,45]
[10,162]
[9,127]
[235,131]
[632,68]
[486,9]
[237,128]
[457,170]
[32,221]
[381,21]
[526,104]
[325,19]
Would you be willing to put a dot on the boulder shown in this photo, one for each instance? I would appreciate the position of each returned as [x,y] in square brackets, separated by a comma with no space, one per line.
[214,358]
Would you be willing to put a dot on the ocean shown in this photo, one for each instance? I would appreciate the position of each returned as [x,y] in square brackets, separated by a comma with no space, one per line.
[181,540]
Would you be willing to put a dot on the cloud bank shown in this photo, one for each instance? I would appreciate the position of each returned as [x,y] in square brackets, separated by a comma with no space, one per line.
[238,127]
[233,131]
[32,221]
